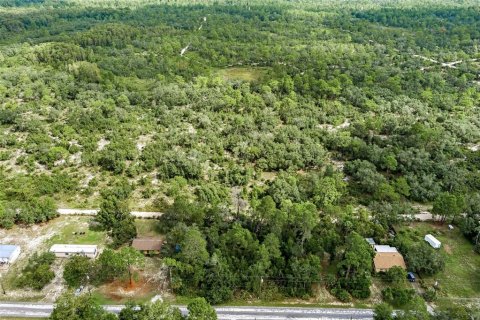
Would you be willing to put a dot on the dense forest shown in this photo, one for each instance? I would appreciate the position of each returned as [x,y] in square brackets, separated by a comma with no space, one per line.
[274,137]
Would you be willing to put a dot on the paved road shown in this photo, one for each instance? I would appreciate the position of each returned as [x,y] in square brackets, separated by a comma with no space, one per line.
[27,310]
[92,212]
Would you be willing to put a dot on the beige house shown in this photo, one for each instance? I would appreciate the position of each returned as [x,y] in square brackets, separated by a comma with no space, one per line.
[387,257]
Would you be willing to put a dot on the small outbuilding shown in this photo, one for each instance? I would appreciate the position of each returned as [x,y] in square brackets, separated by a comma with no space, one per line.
[148,246]
[387,257]
[9,253]
[371,242]
[433,241]
[68,250]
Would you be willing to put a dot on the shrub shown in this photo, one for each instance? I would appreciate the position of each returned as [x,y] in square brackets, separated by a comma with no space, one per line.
[77,270]
[398,297]
[341,294]
[383,312]
[430,295]
[396,276]
[37,274]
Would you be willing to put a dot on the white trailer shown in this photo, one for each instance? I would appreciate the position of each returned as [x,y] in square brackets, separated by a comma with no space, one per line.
[433,241]
[68,250]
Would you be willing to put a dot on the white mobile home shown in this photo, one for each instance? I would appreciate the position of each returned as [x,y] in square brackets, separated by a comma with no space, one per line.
[68,250]
[9,253]
[433,241]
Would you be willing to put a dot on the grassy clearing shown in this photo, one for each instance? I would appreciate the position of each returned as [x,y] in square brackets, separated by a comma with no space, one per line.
[147,227]
[460,279]
[66,234]
[242,74]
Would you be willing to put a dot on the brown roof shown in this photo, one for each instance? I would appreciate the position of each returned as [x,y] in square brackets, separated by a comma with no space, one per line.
[386,260]
[147,244]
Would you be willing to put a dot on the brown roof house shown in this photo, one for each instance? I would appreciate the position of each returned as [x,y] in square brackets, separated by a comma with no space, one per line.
[148,246]
[387,257]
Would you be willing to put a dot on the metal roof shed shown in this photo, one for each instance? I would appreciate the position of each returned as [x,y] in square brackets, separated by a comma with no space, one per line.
[370,241]
[385,248]
[9,253]
[433,241]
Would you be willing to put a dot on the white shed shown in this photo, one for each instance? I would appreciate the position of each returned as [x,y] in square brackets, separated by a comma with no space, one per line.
[67,250]
[433,241]
[9,253]
[371,242]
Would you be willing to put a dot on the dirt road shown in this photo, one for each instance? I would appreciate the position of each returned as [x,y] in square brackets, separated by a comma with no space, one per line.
[92,212]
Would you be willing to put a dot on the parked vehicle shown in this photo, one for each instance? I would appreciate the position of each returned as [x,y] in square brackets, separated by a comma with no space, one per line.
[410,277]
[79,290]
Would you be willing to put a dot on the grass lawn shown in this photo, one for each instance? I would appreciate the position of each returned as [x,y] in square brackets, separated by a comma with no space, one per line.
[66,234]
[243,74]
[147,227]
[461,277]
[102,299]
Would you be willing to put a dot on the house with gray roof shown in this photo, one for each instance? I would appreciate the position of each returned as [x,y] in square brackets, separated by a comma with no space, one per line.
[9,253]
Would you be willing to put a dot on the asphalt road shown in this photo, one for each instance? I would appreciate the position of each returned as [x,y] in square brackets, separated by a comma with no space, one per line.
[27,310]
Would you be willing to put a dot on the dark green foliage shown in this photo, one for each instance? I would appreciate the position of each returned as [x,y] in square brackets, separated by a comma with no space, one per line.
[448,205]
[397,297]
[37,274]
[218,283]
[470,223]
[341,294]
[114,35]
[61,54]
[424,259]
[199,309]
[111,212]
[396,276]
[120,264]
[284,135]
[383,312]
[123,231]
[301,274]
[83,307]
[356,267]
[29,211]
[77,270]
[114,216]
[157,310]
[430,294]
[415,310]
[183,211]
[7,217]
[456,312]
[419,255]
